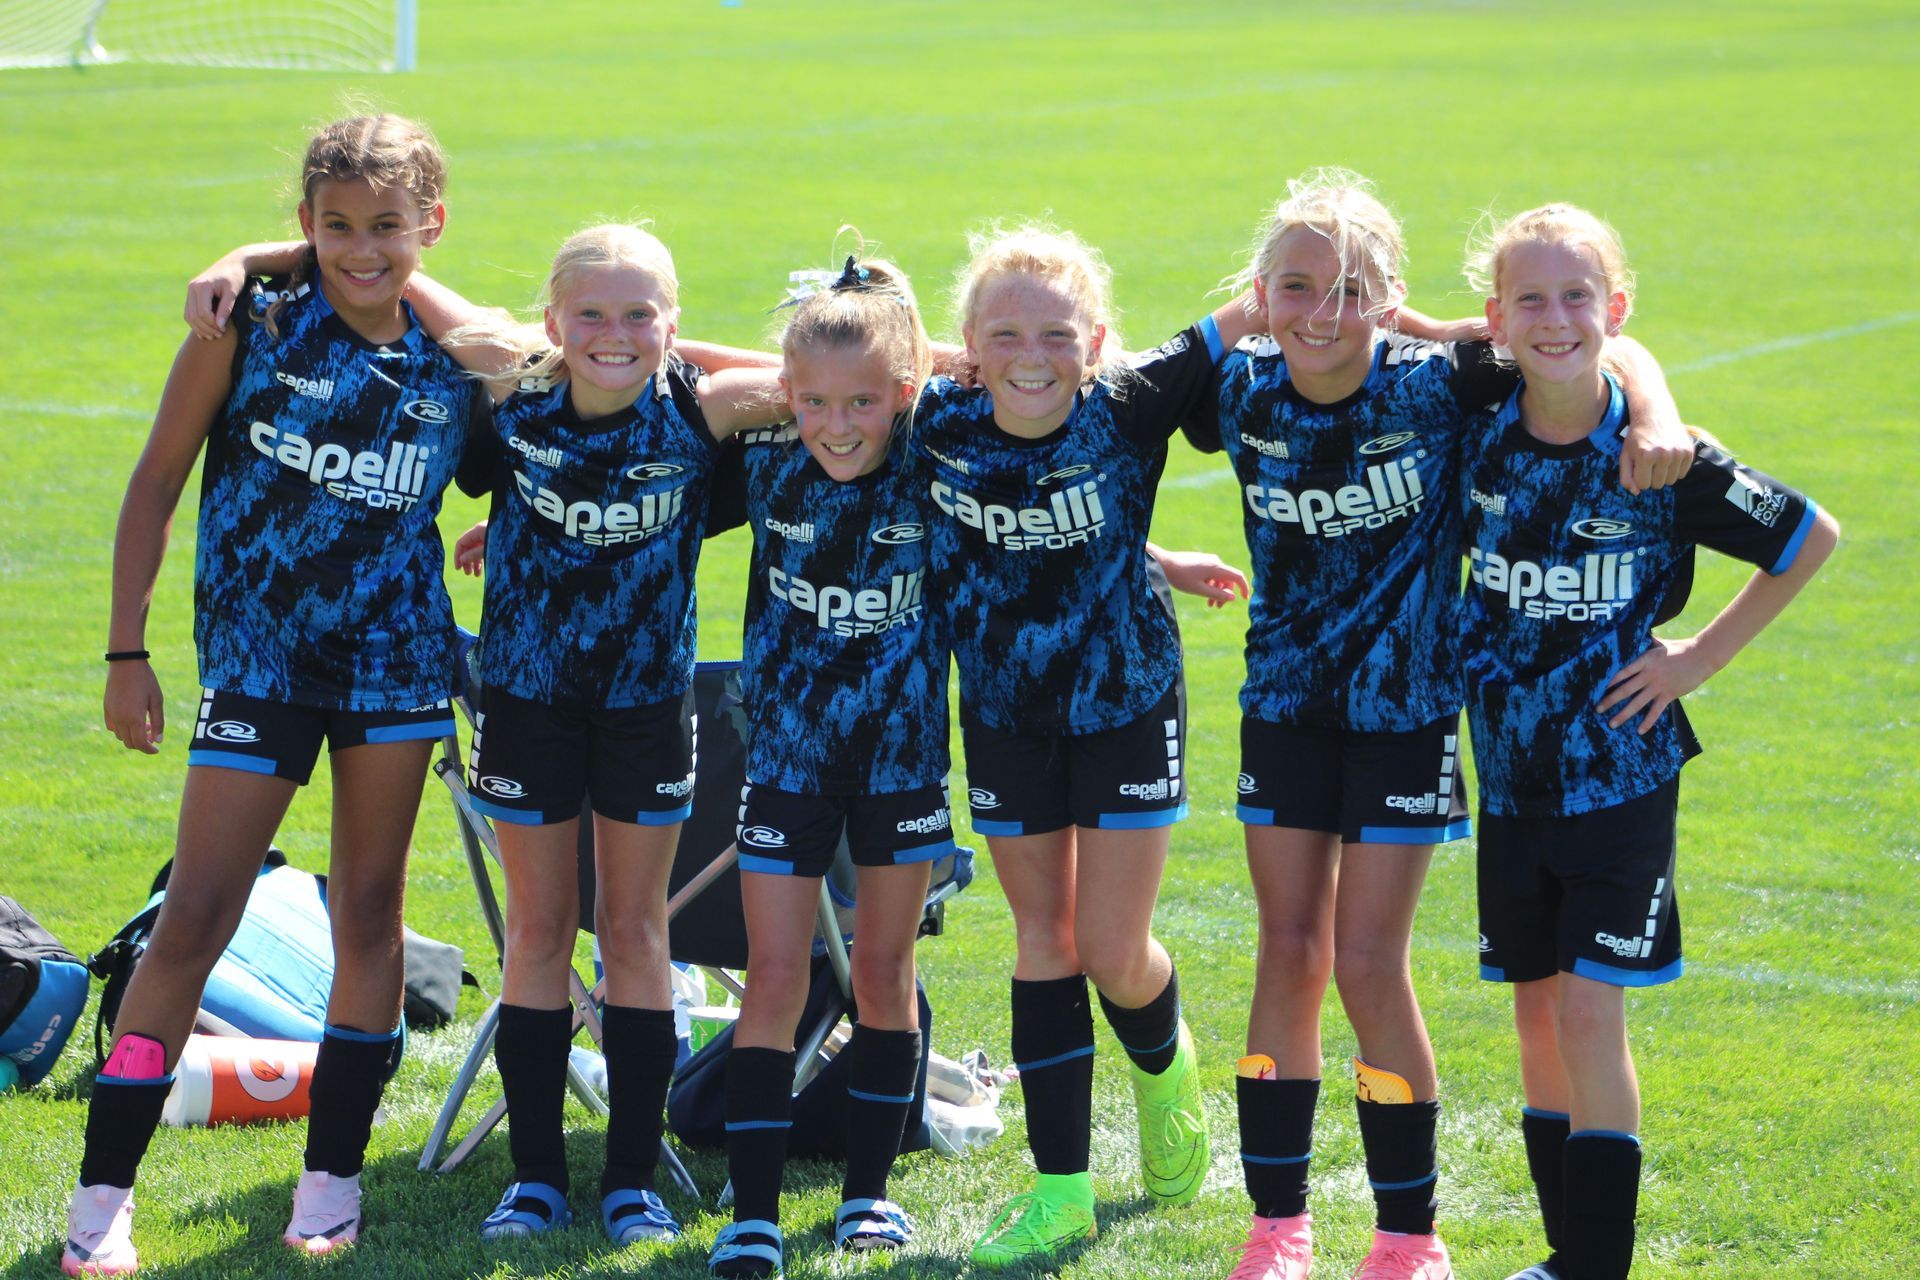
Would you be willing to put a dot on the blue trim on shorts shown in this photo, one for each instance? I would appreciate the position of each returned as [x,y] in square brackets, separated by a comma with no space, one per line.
[736,1126]
[1792,550]
[362,1037]
[1253,1159]
[1459,829]
[410,732]
[1254,817]
[500,813]
[1540,1113]
[988,827]
[1403,1186]
[233,760]
[766,866]
[898,1099]
[923,852]
[662,817]
[1616,1134]
[1056,1059]
[1606,973]
[1142,821]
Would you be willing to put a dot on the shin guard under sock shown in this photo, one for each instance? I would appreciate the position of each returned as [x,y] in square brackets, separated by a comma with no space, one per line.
[349,1074]
[1402,1159]
[1151,1033]
[1276,1137]
[1053,1048]
[128,1096]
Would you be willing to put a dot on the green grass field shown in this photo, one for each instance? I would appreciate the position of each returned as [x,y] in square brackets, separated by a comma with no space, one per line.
[1757,158]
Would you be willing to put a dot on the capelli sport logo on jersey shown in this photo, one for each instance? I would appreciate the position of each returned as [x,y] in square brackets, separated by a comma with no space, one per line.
[1064,473]
[1601,530]
[763,837]
[1764,504]
[653,470]
[1071,517]
[313,388]
[1494,504]
[846,612]
[1267,448]
[603,524]
[393,481]
[427,411]
[232,731]
[893,535]
[803,532]
[1388,443]
[505,788]
[1595,589]
[1388,491]
[551,456]
[981,798]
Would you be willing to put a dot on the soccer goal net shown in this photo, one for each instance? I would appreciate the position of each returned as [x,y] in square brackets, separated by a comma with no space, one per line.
[301,35]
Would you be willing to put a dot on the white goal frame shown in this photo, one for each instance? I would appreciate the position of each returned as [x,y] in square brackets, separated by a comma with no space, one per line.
[308,35]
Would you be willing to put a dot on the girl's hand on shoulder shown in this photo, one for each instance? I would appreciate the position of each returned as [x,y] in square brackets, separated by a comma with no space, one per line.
[470,551]
[1200,573]
[1417,324]
[211,295]
[1669,669]
[1655,456]
[135,712]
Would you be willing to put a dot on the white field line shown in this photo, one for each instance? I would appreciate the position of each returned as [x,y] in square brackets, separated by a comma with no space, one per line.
[1797,340]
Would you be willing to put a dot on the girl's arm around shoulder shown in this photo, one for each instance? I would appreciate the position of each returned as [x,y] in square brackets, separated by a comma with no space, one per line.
[1658,450]
[1671,669]
[212,294]
[713,357]
[196,389]
[1203,574]
[733,400]
[1238,319]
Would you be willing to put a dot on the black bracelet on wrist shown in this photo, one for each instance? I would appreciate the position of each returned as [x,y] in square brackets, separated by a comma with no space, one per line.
[128,655]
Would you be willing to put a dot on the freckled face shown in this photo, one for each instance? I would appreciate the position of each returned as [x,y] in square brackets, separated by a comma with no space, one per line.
[1034,345]
[1553,311]
[1318,312]
[845,401]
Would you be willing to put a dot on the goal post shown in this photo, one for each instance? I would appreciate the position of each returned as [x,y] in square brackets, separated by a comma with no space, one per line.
[293,35]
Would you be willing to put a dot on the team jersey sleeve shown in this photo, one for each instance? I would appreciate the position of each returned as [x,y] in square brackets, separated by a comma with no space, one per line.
[727,492]
[683,381]
[482,456]
[1740,512]
[1480,377]
[1164,387]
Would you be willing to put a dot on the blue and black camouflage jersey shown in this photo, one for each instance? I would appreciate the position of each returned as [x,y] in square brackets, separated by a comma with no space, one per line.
[592,541]
[1353,529]
[844,674]
[317,579]
[1569,574]
[1039,545]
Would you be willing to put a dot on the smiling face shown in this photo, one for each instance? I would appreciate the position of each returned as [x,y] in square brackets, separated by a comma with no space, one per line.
[1554,311]
[845,400]
[367,240]
[1323,313]
[1034,344]
[614,327]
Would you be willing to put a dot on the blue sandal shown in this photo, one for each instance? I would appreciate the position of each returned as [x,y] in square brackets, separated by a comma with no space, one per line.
[754,1240]
[632,1215]
[871,1224]
[527,1209]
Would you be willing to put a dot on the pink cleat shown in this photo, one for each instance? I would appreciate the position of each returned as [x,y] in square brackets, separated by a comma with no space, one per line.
[1403,1257]
[1277,1249]
[100,1233]
[326,1213]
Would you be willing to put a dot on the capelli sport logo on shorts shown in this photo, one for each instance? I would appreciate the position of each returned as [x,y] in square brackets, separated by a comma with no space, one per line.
[981,798]
[427,411]
[1428,803]
[1625,947]
[678,790]
[505,788]
[653,470]
[932,824]
[232,731]
[893,535]
[1158,789]
[763,838]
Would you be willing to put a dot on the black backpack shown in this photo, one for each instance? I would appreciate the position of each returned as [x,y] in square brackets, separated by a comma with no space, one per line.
[43,988]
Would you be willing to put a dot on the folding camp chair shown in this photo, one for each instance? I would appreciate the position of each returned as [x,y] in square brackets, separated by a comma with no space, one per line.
[705,922]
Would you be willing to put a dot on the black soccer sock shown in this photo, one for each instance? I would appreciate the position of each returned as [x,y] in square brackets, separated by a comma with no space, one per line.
[349,1073]
[1151,1033]
[531,1052]
[1276,1142]
[1603,1194]
[640,1047]
[882,1070]
[1402,1162]
[1545,1133]
[759,1117]
[1053,1048]
[120,1123]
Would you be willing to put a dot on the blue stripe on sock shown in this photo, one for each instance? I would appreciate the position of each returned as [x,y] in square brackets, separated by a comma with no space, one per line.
[362,1037]
[1253,1159]
[736,1126]
[1056,1059]
[864,1096]
[1402,1186]
[1164,1044]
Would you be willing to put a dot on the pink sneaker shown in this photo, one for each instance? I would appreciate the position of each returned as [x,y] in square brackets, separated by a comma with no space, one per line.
[1277,1249]
[1398,1257]
[100,1233]
[326,1213]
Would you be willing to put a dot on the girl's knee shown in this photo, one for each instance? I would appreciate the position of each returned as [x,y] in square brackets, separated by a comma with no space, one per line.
[1367,968]
[1293,955]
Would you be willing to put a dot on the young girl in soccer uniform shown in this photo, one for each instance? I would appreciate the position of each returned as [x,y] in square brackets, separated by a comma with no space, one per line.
[331,424]
[1042,480]
[1578,733]
[844,680]
[598,465]
[1345,443]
